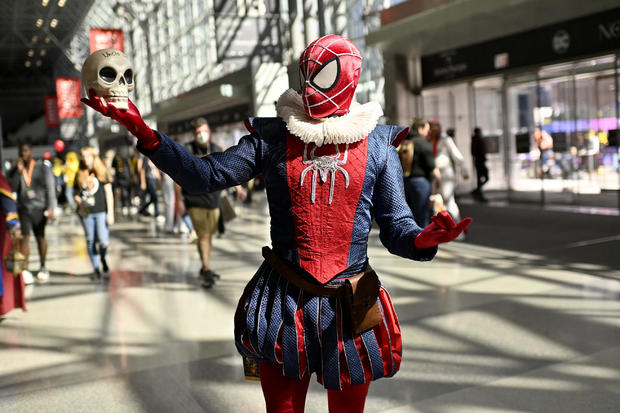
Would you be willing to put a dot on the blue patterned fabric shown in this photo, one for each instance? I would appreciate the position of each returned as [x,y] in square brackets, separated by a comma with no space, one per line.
[265,326]
[9,212]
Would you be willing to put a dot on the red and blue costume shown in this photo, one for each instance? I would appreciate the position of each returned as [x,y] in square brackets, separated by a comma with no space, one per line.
[11,286]
[329,170]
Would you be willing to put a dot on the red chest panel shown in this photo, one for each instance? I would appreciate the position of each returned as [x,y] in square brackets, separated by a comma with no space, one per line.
[325,184]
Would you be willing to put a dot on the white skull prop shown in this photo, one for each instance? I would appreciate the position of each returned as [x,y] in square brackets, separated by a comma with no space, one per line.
[110,73]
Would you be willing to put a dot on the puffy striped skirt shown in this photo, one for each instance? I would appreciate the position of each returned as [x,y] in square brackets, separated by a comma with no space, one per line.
[277,322]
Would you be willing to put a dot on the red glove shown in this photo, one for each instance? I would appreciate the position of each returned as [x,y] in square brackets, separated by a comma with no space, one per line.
[442,229]
[129,118]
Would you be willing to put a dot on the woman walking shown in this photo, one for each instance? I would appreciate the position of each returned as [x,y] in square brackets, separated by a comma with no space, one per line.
[95,201]
[447,159]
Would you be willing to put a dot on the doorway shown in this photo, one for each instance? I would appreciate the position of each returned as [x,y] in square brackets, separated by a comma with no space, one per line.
[558,121]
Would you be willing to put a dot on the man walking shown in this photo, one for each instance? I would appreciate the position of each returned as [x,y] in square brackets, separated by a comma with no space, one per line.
[36,199]
[204,209]
[479,153]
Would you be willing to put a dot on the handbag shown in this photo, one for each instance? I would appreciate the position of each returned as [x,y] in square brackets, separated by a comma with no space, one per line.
[362,300]
[227,211]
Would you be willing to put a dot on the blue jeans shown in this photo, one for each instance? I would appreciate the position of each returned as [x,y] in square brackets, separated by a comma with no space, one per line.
[97,232]
[417,194]
[69,195]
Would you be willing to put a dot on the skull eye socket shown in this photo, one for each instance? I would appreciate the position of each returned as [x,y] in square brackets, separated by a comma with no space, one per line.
[108,74]
[128,76]
[327,76]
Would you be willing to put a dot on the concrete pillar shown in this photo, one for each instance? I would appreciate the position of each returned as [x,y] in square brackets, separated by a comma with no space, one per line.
[270,80]
[398,108]
[324,12]
[295,27]
[311,24]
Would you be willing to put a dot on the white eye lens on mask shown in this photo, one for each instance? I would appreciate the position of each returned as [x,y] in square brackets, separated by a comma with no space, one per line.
[203,137]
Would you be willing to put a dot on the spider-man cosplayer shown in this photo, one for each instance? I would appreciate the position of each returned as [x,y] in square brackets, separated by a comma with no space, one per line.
[328,170]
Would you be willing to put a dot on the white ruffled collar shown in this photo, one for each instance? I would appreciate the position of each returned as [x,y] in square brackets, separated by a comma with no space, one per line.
[352,127]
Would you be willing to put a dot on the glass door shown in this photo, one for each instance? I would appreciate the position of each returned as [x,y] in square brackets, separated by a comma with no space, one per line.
[558,120]
[488,116]
[523,159]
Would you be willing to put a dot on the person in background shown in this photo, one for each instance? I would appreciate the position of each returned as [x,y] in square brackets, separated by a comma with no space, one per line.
[135,193]
[447,159]
[150,178]
[11,285]
[95,201]
[57,170]
[122,182]
[72,164]
[182,214]
[544,141]
[168,196]
[36,200]
[204,209]
[479,153]
[419,171]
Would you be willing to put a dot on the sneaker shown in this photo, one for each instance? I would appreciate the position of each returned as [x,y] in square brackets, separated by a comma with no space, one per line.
[215,275]
[28,278]
[96,275]
[104,265]
[206,278]
[43,275]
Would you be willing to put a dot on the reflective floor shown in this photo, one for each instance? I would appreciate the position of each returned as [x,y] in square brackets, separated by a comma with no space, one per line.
[489,326]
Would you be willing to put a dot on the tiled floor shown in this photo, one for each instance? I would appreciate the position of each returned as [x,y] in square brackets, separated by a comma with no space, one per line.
[485,329]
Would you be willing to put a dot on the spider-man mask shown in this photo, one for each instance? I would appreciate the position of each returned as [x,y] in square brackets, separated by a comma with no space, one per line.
[329,69]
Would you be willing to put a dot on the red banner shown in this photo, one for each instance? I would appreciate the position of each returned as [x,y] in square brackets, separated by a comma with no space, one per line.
[106,39]
[51,111]
[69,94]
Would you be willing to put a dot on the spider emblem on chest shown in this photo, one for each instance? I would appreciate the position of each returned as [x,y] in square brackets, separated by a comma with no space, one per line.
[324,166]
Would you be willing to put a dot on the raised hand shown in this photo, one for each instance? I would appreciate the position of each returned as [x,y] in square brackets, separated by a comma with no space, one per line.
[130,118]
[441,229]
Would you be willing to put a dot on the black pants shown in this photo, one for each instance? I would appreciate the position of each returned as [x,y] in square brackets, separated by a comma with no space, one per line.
[151,191]
[482,173]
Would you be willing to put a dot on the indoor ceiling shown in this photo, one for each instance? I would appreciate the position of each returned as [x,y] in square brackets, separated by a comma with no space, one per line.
[33,37]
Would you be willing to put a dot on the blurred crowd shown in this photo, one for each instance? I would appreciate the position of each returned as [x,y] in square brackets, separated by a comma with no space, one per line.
[95,190]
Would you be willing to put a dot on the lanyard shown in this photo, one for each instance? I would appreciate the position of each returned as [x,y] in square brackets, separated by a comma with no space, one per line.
[28,178]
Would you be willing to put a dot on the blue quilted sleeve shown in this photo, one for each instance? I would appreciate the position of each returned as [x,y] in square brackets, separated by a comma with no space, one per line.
[9,208]
[398,229]
[214,172]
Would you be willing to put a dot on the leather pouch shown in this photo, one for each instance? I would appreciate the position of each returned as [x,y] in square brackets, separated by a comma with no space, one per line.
[362,302]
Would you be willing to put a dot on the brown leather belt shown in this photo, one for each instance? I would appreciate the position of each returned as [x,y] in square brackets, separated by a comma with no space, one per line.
[283,268]
[359,293]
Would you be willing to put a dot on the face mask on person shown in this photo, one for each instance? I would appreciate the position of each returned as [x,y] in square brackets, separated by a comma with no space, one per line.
[203,138]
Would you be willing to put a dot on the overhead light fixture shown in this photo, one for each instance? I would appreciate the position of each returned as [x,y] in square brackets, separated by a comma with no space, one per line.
[39,22]
[28,63]
[30,53]
[35,38]
[44,3]
[43,52]
[47,39]
[54,23]
[61,3]
[39,63]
